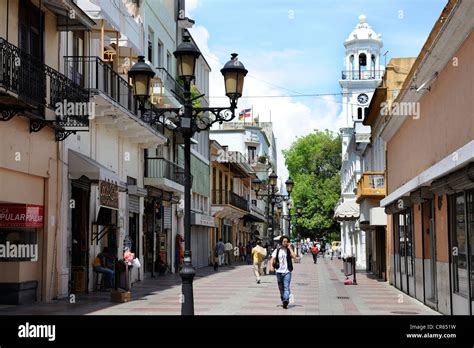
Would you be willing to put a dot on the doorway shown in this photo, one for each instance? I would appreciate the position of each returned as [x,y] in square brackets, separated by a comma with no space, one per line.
[429,253]
[461,217]
[80,239]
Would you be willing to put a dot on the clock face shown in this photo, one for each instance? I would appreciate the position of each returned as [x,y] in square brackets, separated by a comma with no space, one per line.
[363,98]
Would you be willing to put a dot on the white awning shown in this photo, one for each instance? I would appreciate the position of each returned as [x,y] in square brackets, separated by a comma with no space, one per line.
[347,210]
[81,165]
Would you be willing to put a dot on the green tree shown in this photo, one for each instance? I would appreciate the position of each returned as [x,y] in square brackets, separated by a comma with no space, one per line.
[314,163]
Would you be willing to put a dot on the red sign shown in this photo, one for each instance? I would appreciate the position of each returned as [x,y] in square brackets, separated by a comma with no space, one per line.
[21,215]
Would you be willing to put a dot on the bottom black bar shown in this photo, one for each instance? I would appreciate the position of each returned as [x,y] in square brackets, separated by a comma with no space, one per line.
[89,331]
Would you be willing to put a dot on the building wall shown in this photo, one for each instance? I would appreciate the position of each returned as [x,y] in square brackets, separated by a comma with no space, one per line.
[445,122]
[29,167]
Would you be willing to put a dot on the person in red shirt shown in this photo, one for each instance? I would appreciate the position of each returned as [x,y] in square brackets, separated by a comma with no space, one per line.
[315,251]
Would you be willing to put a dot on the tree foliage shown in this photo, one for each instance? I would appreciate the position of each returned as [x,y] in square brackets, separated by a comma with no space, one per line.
[314,163]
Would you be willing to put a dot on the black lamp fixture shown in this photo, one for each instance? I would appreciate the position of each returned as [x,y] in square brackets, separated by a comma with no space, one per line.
[141,74]
[187,120]
[186,56]
[273,198]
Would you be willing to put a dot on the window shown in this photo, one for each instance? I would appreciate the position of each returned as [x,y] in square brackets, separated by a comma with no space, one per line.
[150,45]
[359,113]
[25,241]
[160,54]
[252,154]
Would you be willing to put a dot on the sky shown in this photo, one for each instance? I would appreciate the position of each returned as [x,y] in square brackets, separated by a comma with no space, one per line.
[295,47]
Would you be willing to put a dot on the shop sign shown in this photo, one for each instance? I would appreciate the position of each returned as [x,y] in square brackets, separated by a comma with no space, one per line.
[21,215]
[202,220]
[108,195]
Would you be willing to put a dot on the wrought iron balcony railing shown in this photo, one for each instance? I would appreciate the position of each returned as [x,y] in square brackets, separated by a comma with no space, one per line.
[93,73]
[361,74]
[37,84]
[157,167]
[371,185]
[169,82]
[222,197]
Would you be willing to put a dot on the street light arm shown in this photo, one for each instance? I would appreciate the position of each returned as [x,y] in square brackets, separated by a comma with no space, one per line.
[204,118]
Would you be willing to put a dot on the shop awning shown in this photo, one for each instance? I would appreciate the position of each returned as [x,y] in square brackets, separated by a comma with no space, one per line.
[81,165]
[347,210]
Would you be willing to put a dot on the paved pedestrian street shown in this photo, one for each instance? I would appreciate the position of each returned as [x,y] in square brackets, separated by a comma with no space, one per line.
[317,290]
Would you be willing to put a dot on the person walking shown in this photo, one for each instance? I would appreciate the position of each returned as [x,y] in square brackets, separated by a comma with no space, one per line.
[282,263]
[322,250]
[236,254]
[228,252]
[220,248]
[315,251]
[258,255]
[248,249]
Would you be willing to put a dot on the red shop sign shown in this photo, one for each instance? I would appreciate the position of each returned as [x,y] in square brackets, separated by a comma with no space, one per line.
[21,215]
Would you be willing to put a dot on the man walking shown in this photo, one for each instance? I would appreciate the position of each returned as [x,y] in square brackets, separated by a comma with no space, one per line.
[228,252]
[258,254]
[220,248]
[282,263]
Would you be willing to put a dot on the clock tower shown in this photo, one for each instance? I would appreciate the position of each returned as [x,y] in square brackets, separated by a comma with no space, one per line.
[362,73]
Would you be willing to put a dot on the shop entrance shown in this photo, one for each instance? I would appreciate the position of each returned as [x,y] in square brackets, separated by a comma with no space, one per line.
[461,216]
[80,236]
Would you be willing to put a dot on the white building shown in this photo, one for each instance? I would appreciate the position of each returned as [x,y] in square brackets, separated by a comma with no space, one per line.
[103,169]
[362,74]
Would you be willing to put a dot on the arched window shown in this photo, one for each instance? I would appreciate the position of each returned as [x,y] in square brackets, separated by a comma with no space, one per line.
[351,66]
[373,65]
[359,113]
[362,65]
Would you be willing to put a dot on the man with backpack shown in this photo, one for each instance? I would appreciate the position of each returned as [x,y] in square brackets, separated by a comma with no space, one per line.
[315,251]
[282,263]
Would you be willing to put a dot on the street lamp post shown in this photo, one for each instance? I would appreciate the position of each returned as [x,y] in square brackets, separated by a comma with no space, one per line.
[258,185]
[187,120]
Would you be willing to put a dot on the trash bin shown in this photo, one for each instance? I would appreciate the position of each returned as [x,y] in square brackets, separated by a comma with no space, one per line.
[348,265]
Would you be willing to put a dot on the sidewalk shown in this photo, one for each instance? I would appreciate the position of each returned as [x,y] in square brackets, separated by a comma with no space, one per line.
[317,289]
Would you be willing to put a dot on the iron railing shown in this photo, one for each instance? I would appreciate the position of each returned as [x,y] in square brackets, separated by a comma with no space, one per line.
[91,72]
[157,167]
[361,74]
[170,83]
[222,197]
[36,83]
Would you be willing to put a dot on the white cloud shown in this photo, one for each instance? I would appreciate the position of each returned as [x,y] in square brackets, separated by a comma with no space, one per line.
[291,117]
[191,5]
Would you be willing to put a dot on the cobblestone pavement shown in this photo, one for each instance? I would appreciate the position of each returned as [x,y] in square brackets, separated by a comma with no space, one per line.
[317,290]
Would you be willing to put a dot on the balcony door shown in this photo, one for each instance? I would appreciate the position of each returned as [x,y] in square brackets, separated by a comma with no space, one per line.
[31,75]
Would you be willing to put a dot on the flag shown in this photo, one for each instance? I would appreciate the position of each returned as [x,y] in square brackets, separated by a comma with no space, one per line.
[245,113]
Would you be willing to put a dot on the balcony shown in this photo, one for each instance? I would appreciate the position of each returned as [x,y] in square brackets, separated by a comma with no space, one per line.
[164,174]
[222,197]
[93,73]
[115,105]
[33,87]
[166,88]
[361,75]
[371,185]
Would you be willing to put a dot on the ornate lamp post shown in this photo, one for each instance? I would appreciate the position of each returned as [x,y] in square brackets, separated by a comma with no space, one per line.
[258,185]
[187,120]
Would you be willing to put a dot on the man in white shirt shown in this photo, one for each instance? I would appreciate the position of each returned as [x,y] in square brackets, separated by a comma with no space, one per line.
[228,252]
[282,263]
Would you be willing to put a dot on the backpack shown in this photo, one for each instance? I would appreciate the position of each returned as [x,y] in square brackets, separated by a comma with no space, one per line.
[315,249]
